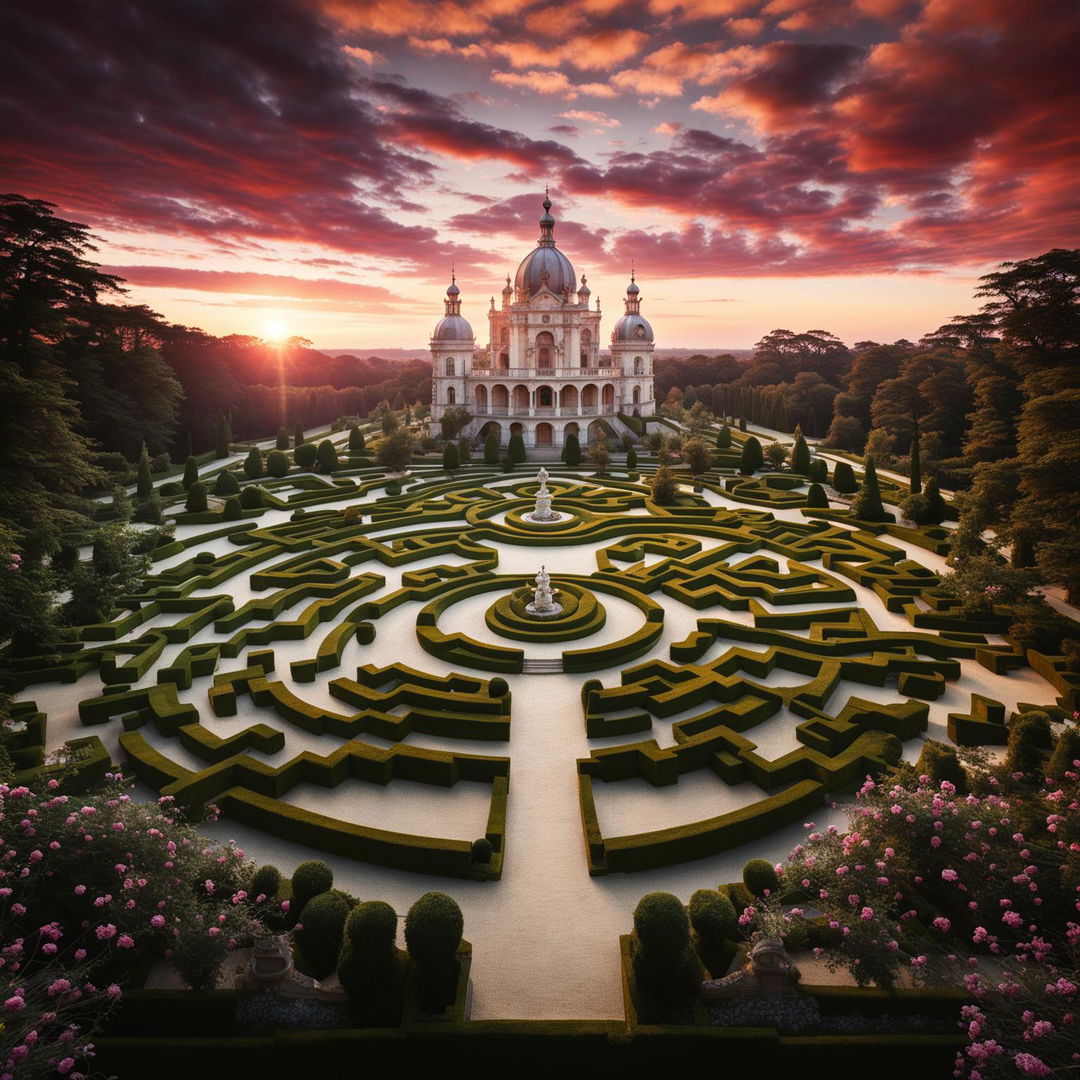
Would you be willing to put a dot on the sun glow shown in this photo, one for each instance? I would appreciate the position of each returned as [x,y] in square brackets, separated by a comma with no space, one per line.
[274,330]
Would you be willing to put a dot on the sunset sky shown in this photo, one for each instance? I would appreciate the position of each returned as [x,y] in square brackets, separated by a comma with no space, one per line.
[314,167]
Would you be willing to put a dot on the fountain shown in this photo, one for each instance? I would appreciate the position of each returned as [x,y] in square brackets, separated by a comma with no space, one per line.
[543,514]
[543,606]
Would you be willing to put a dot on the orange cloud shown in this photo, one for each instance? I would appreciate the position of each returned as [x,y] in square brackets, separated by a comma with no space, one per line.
[590,116]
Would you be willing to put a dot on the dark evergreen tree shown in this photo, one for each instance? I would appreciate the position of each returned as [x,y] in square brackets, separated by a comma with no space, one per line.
[916,464]
[226,483]
[816,497]
[253,463]
[144,485]
[196,497]
[191,472]
[450,459]
[572,451]
[356,438]
[631,459]
[936,508]
[752,457]
[282,442]
[223,437]
[800,454]
[516,449]
[491,449]
[464,447]
[298,434]
[867,505]
[327,456]
[723,438]
[844,478]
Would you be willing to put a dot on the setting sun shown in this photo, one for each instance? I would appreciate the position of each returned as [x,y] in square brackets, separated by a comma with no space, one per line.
[274,330]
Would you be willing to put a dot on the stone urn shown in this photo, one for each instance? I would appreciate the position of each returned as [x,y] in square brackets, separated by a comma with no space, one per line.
[270,965]
[768,971]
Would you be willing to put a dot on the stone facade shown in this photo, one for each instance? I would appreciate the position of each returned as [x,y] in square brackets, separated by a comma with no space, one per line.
[543,376]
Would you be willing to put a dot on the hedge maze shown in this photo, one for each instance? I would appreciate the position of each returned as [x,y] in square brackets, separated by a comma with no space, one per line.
[251,639]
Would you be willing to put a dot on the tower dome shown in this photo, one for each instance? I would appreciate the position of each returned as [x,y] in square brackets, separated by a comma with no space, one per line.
[546,267]
[452,326]
[633,326]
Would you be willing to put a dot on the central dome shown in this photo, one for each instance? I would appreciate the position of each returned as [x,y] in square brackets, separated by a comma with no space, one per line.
[546,267]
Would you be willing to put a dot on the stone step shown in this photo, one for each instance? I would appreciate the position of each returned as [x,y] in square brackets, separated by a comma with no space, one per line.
[541,667]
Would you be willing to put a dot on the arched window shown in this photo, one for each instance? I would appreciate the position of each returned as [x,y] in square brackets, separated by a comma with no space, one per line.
[639,366]
[586,346]
[451,396]
[449,365]
[545,348]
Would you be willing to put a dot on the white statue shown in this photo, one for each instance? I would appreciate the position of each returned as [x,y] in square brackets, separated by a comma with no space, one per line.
[543,606]
[543,511]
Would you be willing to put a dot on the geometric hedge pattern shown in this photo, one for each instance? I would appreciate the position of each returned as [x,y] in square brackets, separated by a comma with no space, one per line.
[322,576]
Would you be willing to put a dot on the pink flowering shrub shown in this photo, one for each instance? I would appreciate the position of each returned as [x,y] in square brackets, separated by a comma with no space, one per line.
[85,882]
[926,877]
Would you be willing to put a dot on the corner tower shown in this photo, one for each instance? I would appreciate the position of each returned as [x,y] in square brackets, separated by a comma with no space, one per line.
[452,347]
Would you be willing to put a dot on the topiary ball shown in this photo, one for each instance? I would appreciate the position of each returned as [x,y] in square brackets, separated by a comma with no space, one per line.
[712,915]
[482,851]
[265,882]
[433,928]
[319,932]
[498,688]
[760,877]
[661,923]
[309,879]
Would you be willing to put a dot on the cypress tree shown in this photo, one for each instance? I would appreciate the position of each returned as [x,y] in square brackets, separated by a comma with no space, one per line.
[298,434]
[144,486]
[222,437]
[253,463]
[191,472]
[723,438]
[282,439]
[516,449]
[491,449]
[464,451]
[631,459]
[819,471]
[327,456]
[226,483]
[742,423]
[867,505]
[844,478]
[572,451]
[936,513]
[356,438]
[800,454]
[916,464]
[196,497]
[816,497]
[450,460]
[752,457]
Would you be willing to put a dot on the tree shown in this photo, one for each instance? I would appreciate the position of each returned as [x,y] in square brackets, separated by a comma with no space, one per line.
[916,465]
[226,483]
[464,450]
[450,459]
[880,445]
[631,459]
[776,453]
[752,457]
[696,456]
[844,478]
[356,438]
[664,489]
[800,454]
[144,485]
[600,455]
[305,455]
[572,451]
[516,449]
[386,418]
[816,497]
[191,472]
[723,438]
[491,449]
[327,456]
[282,441]
[298,434]
[936,508]
[277,463]
[867,505]
[454,421]
[395,451]
[196,498]
[223,437]
[253,464]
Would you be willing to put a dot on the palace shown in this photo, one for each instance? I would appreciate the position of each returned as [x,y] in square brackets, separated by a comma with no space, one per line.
[544,377]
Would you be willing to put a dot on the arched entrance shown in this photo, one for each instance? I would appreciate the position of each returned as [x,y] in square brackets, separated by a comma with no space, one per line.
[545,399]
[521,398]
[481,398]
[491,428]
[609,398]
[590,398]
[500,397]
[545,435]
[568,400]
[597,431]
